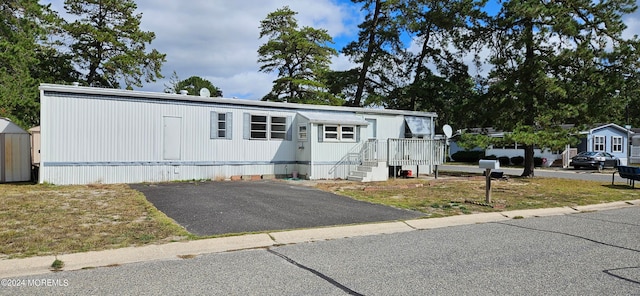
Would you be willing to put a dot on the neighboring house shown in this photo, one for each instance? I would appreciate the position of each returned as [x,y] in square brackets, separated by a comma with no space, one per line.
[610,138]
[510,151]
[95,135]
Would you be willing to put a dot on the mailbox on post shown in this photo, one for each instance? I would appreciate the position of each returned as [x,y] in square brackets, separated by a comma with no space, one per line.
[488,165]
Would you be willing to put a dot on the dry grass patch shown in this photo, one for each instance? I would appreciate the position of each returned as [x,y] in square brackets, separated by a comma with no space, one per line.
[455,195]
[47,219]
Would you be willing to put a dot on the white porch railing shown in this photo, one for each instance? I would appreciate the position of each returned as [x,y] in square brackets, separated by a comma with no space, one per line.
[415,152]
[374,151]
[397,152]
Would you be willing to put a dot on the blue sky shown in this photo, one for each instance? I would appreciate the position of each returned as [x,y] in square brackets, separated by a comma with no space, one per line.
[218,40]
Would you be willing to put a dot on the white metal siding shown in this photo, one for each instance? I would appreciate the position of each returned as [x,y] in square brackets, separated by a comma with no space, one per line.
[88,140]
[91,135]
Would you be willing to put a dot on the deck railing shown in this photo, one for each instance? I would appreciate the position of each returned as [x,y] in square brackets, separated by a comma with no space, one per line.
[415,152]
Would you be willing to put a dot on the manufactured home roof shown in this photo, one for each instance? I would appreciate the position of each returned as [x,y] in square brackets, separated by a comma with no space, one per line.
[131,94]
[333,118]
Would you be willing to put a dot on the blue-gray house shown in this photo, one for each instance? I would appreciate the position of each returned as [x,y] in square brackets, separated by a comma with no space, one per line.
[610,138]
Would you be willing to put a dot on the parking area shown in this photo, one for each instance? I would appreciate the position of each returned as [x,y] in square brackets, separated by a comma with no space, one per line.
[213,208]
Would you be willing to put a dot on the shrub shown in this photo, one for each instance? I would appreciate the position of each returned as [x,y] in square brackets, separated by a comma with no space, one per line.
[467,156]
[517,160]
[504,160]
[537,161]
[491,157]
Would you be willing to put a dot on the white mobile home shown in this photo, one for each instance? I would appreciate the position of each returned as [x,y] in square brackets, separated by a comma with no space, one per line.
[94,135]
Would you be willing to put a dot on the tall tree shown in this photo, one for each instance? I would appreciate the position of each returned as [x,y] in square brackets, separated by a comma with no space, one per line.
[436,77]
[193,85]
[24,26]
[108,44]
[377,50]
[555,62]
[300,56]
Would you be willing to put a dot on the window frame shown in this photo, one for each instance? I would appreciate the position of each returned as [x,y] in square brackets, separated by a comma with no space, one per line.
[337,133]
[617,147]
[254,124]
[599,144]
[281,132]
[221,125]
[261,126]
[303,135]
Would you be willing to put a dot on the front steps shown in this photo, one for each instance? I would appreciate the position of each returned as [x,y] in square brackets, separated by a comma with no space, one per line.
[370,171]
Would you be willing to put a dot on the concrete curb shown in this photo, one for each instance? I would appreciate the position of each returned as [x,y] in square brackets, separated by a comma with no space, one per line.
[174,251]
[539,212]
[456,220]
[317,234]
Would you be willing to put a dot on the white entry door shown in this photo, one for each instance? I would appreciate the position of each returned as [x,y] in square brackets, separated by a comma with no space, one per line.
[172,137]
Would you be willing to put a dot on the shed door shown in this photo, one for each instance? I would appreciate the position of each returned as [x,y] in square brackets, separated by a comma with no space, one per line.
[172,137]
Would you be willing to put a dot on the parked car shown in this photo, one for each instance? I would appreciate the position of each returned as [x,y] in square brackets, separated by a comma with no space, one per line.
[596,160]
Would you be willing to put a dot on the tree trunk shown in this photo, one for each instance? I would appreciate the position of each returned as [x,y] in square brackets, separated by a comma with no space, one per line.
[528,161]
[366,60]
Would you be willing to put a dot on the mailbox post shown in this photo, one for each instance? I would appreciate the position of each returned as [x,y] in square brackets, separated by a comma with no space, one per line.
[488,165]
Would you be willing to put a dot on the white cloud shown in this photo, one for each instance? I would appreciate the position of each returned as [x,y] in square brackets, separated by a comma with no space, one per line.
[218,40]
[633,25]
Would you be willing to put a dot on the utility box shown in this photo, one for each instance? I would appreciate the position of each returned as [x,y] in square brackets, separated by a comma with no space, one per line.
[489,164]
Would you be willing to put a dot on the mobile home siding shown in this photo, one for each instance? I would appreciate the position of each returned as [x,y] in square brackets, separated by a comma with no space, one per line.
[105,140]
[91,135]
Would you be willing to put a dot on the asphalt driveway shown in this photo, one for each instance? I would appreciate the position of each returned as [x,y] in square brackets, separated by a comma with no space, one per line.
[211,208]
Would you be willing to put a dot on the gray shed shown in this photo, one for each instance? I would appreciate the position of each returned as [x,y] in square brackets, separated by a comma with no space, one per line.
[15,153]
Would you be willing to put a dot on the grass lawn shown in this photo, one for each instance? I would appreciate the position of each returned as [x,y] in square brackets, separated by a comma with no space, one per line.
[45,219]
[51,220]
[465,193]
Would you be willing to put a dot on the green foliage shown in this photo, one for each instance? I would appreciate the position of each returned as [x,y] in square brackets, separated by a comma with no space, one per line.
[467,156]
[57,264]
[504,160]
[517,160]
[108,45]
[192,85]
[441,31]
[539,83]
[24,24]
[300,56]
[378,50]
[537,161]
[470,141]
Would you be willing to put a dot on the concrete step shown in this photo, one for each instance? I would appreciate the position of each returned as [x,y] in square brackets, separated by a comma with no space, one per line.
[359,173]
[355,178]
[364,168]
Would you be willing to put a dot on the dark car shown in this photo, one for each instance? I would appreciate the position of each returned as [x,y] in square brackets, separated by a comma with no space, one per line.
[597,160]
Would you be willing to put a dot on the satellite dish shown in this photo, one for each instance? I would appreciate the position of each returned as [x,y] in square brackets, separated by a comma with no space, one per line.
[448,131]
[204,92]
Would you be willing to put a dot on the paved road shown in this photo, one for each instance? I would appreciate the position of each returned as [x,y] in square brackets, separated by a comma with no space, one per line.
[590,175]
[208,208]
[596,253]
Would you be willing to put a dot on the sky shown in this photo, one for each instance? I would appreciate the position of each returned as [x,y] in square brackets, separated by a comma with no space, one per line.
[218,39]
